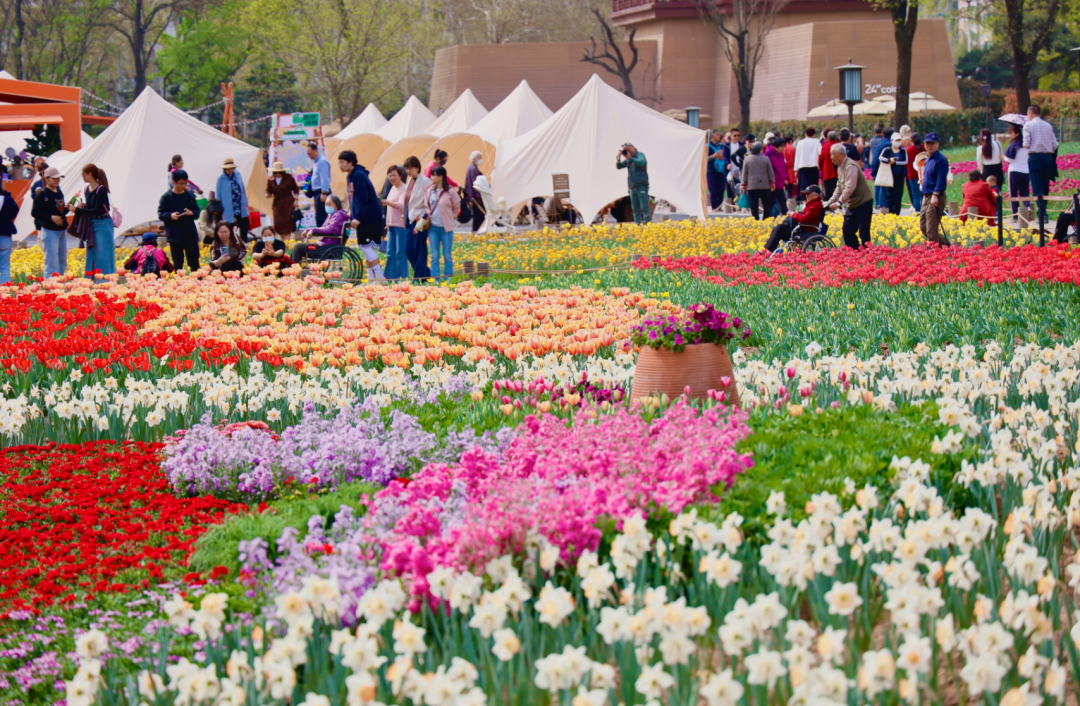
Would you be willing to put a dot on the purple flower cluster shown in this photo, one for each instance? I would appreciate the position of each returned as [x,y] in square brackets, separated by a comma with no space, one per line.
[705,324]
[334,553]
[359,443]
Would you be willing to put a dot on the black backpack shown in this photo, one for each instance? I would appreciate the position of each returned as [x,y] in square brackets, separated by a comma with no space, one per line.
[150,266]
[466,213]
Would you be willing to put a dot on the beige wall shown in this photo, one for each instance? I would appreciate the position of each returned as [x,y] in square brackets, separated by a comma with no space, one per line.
[682,64]
[554,70]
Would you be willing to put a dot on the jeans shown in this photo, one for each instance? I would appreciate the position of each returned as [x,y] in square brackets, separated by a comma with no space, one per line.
[1019,185]
[397,266]
[416,251]
[762,196]
[779,201]
[915,192]
[856,227]
[882,196]
[190,247]
[102,256]
[1040,165]
[54,243]
[442,240]
[639,201]
[5,259]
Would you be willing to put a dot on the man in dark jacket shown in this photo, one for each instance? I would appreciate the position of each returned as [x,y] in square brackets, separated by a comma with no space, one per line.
[637,179]
[365,209]
[178,210]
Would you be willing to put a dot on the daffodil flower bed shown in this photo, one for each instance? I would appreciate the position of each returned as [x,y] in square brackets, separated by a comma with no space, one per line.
[882,593]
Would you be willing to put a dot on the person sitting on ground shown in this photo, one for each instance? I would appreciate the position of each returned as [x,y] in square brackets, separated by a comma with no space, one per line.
[227,252]
[804,220]
[1067,221]
[148,258]
[980,196]
[331,231]
[269,251]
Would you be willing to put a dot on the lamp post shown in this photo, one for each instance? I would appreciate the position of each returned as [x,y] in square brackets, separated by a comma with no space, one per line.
[693,116]
[850,89]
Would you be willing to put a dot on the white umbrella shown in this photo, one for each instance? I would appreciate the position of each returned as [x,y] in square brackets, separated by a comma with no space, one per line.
[832,109]
[872,108]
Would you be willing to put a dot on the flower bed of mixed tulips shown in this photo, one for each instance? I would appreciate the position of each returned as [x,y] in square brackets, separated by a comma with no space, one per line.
[285,491]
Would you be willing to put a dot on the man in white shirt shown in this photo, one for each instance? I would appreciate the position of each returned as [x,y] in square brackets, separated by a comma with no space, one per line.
[807,151]
[1041,144]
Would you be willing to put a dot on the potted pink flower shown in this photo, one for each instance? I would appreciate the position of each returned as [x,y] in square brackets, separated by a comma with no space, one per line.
[688,352]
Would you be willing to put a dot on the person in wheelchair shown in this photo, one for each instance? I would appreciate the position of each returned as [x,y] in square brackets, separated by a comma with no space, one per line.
[332,231]
[798,225]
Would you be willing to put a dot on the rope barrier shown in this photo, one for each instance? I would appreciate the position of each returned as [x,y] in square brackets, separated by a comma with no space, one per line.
[102,101]
[245,122]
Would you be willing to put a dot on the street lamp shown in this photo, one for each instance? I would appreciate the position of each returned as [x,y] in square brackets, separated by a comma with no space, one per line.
[693,116]
[850,89]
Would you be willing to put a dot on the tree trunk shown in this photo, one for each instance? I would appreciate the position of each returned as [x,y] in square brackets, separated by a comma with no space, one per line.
[744,85]
[905,21]
[138,44]
[20,34]
[1014,28]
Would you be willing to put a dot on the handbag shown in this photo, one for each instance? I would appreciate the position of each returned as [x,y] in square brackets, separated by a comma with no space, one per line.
[422,224]
[884,176]
[465,215]
[117,217]
[297,215]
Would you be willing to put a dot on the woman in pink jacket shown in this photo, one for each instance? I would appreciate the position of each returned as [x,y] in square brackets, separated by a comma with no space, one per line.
[443,207]
[775,152]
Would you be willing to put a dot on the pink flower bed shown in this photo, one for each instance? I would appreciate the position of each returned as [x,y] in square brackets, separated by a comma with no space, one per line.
[1065,161]
[556,480]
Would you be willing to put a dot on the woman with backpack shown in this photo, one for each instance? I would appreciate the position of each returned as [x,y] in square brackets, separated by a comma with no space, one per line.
[95,206]
[148,259]
[443,207]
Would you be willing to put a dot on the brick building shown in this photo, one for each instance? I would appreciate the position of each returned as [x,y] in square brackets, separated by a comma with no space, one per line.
[681,64]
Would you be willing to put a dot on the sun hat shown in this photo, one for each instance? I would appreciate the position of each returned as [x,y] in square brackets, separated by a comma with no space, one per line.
[278,168]
[228,164]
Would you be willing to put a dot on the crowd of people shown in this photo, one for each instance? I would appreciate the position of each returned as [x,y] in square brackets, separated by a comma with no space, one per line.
[413,220]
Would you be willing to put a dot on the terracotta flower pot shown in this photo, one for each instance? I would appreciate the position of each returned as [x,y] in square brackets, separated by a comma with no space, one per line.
[701,366]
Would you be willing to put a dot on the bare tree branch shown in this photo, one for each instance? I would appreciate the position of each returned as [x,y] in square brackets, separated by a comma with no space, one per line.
[612,59]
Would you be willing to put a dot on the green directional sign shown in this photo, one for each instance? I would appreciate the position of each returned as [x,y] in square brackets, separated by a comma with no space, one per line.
[305,120]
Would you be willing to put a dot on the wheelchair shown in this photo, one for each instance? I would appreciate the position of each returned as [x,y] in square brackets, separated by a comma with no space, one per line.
[807,240]
[345,262]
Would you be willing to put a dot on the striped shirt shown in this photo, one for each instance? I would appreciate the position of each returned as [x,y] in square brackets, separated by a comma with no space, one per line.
[1039,136]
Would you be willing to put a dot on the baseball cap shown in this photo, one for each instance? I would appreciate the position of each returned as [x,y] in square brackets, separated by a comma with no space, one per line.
[812,189]
[149,239]
[51,172]
[897,137]
[931,137]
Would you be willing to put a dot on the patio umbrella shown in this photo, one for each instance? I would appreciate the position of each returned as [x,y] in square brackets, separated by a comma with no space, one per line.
[832,109]
[1013,118]
[873,107]
[926,103]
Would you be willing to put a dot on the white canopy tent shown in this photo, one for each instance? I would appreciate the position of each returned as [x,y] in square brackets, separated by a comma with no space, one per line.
[462,114]
[135,150]
[518,113]
[583,139]
[413,119]
[370,120]
[16,140]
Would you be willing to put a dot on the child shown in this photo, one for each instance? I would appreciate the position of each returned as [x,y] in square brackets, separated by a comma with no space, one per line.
[148,258]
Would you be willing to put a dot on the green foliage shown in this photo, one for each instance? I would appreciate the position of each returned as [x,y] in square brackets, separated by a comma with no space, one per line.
[206,50]
[955,127]
[268,87]
[218,547]
[45,141]
[814,453]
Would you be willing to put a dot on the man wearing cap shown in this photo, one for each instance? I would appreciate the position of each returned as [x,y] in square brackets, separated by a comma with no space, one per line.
[637,178]
[935,179]
[234,201]
[1041,143]
[852,191]
[50,218]
[319,184]
[806,219]
[178,210]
